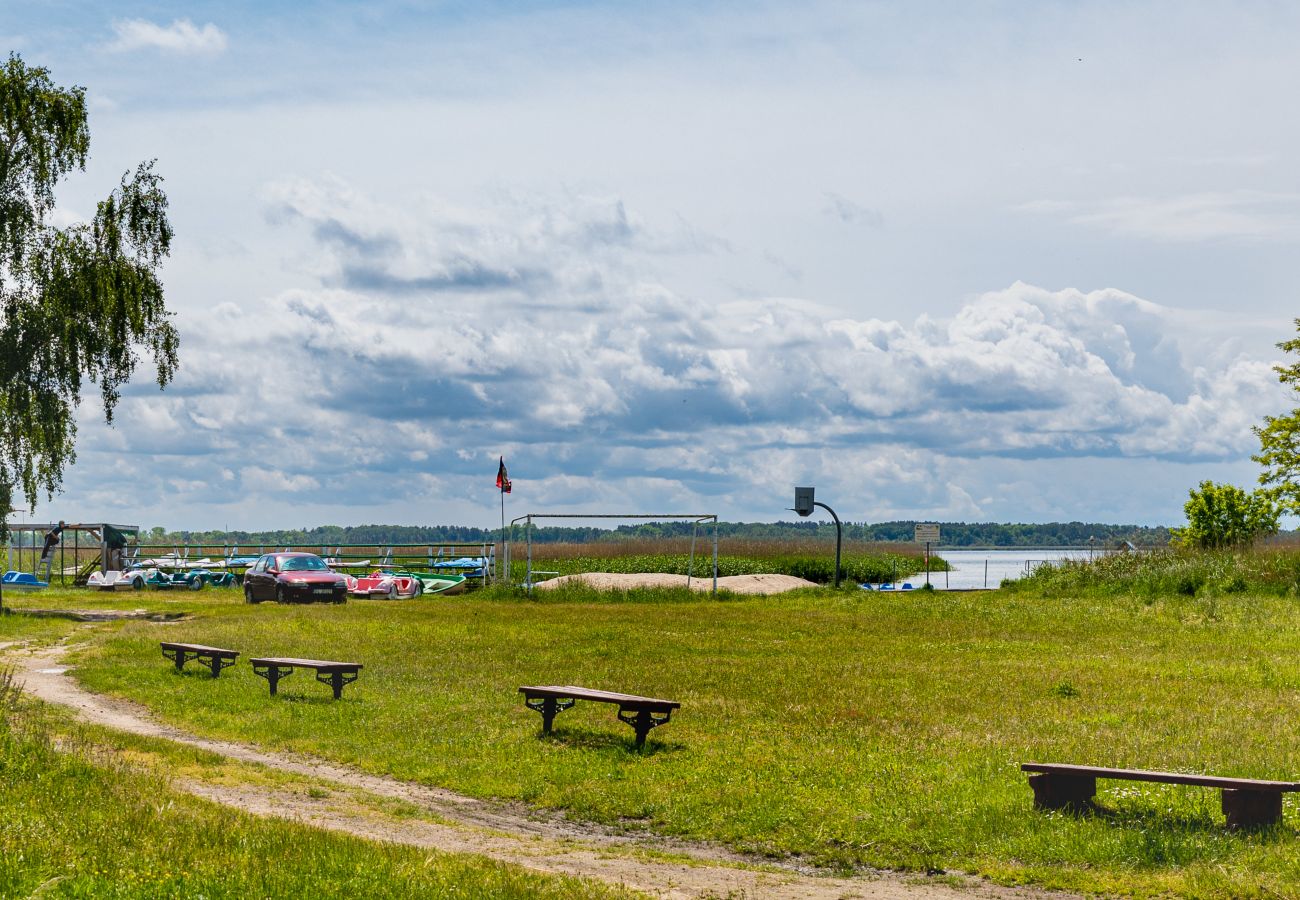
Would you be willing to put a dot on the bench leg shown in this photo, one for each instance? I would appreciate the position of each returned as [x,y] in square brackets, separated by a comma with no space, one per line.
[1070,792]
[215,664]
[336,681]
[1251,809]
[273,674]
[642,720]
[177,657]
[549,707]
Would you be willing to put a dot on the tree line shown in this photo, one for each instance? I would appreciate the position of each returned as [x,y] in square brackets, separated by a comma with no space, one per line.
[954,534]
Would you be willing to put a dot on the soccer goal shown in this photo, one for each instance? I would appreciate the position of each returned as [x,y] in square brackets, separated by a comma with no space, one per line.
[698,520]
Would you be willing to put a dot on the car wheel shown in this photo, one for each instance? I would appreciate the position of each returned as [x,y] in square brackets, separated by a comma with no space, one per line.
[195,584]
[392,591]
[279,594]
[248,594]
[418,589]
[137,584]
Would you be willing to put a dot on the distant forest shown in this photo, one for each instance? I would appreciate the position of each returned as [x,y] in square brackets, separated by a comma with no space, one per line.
[954,534]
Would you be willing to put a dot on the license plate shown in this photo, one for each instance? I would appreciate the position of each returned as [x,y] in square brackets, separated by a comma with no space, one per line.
[322,590]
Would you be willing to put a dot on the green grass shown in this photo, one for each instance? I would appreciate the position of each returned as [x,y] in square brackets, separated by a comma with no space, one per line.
[172,601]
[15,628]
[1170,573]
[849,728]
[77,825]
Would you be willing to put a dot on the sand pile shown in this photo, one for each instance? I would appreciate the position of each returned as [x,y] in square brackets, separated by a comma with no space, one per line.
[739,584]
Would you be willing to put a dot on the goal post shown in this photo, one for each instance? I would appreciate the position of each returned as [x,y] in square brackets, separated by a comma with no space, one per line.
[528,520]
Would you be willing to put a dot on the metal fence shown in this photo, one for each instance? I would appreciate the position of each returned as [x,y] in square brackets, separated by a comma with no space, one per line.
[82,550]
[474,560]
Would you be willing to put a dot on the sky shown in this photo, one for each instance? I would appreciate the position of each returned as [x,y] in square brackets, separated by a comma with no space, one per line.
[991,261]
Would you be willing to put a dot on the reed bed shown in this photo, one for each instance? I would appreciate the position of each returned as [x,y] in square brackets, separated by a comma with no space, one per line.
[753,548]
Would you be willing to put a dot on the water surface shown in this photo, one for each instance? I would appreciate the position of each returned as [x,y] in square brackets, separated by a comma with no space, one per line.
[989,568]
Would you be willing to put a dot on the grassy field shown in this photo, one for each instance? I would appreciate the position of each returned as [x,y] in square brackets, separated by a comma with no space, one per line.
[77,824]
[849,728]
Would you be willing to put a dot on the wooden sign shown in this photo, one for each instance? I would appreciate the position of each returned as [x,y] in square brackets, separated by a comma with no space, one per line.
[927,533]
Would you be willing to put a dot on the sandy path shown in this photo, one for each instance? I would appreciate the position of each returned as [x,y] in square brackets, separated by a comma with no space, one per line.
[509,833]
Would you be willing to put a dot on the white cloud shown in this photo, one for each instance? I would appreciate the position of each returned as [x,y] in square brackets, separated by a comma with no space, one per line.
[181,37]
[257,478]
[1241,214]
[437,338]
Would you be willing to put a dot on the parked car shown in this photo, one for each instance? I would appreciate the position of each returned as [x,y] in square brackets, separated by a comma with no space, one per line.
[293,578]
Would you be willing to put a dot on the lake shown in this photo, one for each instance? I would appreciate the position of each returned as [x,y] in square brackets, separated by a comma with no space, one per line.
[988,568]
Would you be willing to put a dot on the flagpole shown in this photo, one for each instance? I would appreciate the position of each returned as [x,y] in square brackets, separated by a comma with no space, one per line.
[503,485]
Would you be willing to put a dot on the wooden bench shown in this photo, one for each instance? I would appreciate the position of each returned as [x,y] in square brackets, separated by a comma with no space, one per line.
[335,674]
[215,658]
[642,713]
[1247,802]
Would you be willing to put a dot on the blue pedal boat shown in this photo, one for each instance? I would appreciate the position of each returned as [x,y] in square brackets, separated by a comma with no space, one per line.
[22,581]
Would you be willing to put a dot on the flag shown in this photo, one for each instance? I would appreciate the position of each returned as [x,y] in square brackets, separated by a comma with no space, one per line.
[503,480]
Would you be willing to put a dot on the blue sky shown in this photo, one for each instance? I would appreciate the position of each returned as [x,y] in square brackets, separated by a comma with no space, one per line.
[988,261]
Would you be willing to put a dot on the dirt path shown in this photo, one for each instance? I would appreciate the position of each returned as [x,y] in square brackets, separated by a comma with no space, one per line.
[511,833]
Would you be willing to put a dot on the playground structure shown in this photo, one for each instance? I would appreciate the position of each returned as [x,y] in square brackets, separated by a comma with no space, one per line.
[83,548]
[697,518]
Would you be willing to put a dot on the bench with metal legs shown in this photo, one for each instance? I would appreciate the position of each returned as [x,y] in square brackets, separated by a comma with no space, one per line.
[335,674]
[215,658]
[642,713]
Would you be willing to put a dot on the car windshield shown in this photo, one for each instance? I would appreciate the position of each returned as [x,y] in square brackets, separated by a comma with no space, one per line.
[302,564]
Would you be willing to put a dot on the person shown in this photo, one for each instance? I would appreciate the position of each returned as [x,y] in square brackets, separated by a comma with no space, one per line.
[116,542]
[47,552]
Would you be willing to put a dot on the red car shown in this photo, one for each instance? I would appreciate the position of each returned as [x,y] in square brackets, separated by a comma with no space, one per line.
[293,578]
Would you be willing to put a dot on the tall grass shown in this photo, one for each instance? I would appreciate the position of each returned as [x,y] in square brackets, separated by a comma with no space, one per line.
[1269,570]
[810,559]
[819,569]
